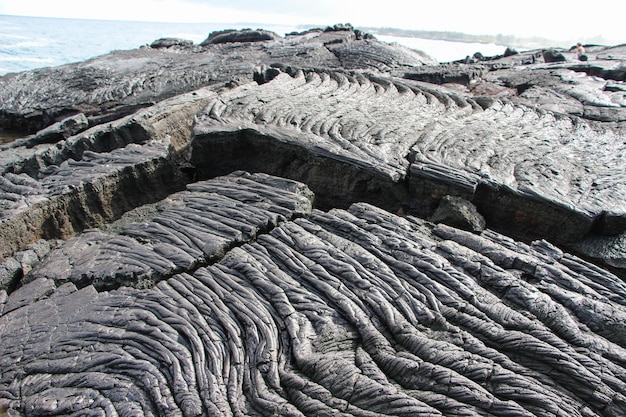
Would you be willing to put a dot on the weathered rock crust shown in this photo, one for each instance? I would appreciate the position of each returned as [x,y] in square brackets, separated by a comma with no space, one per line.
[359,311]
[548,168]
[117,84]
[234,228]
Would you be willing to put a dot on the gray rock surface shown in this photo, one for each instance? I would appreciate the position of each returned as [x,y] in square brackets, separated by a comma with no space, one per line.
[549,168]
[355,311]
[245,35]
[53,191]
[238,229]
[117,84]
[192,228]
[460,213]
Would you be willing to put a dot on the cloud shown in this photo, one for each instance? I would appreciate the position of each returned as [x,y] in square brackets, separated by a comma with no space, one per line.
[319,7]
[556,19]
[191,11]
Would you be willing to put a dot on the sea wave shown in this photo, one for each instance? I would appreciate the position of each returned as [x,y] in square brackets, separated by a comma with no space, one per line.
[26,44]
[19,58]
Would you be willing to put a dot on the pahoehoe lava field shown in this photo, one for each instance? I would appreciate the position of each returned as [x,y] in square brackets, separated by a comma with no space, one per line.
[315,224]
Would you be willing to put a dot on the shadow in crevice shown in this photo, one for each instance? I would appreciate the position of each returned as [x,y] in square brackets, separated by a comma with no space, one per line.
[336,181]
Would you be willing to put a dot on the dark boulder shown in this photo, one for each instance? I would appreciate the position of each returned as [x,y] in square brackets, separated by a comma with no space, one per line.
[551,55]
[63,129]
[510,51]
[346,27]
[236,36]
[170,42]
[459,213]
[478,56]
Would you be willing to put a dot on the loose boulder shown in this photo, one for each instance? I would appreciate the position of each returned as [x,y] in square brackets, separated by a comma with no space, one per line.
[459,213]
[244,35]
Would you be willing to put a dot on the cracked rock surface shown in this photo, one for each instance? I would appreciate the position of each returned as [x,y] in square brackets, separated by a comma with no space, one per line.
[355,311]
[240,228]
[560,163]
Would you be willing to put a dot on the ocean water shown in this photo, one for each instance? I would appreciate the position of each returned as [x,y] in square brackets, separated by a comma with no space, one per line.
[33,42]
[445,51]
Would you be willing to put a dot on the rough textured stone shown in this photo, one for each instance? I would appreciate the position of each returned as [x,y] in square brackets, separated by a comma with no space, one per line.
[117,84]
[358,311]
[193,228]
[170,42]
[460,213]
[63,129]
[10,273]
[55,191]
[551,55]
[245,35]
[224,240]
[546,167]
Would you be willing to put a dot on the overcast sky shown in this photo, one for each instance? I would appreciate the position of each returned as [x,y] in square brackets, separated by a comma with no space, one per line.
[554,19]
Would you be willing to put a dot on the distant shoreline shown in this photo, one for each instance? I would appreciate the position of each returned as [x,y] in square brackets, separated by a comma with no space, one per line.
[34,42]
[499,39]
